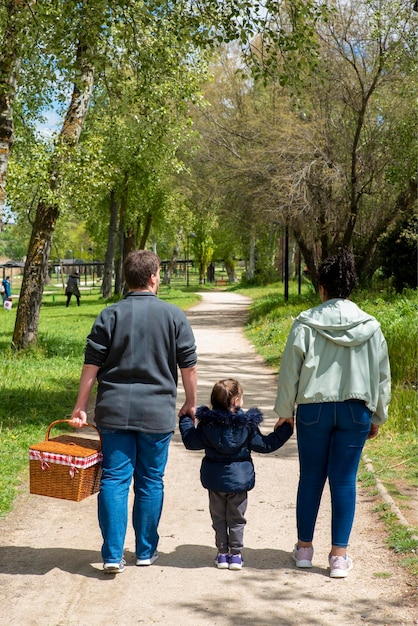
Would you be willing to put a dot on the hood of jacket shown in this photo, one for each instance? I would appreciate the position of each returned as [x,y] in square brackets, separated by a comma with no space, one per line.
[227,432]
[340,321]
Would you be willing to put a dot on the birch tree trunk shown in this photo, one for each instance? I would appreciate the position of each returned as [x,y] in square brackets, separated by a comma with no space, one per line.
[36,266]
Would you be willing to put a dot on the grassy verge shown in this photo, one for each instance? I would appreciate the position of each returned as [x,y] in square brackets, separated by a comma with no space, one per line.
[41,385]
[394,463]
[393,452]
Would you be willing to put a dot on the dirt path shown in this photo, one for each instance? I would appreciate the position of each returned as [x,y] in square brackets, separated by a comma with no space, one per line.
[50,565]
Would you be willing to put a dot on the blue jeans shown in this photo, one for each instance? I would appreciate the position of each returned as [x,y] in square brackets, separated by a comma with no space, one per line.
[331,437]
[143,456]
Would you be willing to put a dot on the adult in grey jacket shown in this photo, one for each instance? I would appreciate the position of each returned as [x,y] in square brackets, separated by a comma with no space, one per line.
[134,350]
[335,368]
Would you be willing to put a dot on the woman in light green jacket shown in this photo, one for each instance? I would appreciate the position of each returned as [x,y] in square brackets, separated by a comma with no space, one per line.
[335,368]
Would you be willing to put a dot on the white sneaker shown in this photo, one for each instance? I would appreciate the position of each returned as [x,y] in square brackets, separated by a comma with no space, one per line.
[114,568]
[303,556]
[339,566]
[149,561]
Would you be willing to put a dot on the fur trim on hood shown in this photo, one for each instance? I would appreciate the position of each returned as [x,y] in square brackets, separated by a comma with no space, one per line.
[253,417]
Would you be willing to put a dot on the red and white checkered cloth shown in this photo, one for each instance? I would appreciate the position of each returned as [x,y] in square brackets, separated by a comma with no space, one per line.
[75,463]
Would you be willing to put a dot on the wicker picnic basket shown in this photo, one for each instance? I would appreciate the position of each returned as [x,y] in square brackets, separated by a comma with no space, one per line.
[65,466]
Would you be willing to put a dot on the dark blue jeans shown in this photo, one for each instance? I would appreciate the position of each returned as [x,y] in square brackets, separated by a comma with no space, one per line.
[143,456]
[331,437]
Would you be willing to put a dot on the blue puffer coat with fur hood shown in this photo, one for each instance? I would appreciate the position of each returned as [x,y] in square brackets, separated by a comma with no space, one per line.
[228,440]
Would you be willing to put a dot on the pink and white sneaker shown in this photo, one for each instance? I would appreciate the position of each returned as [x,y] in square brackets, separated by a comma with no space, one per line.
[303,556]
[339,566]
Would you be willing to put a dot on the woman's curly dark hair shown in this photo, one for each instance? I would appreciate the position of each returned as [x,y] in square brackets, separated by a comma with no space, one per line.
[337,274]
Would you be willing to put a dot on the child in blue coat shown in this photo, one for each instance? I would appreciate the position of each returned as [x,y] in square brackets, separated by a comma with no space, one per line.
[229,435]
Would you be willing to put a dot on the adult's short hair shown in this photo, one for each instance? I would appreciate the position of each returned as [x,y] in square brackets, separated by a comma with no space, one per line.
[139,266]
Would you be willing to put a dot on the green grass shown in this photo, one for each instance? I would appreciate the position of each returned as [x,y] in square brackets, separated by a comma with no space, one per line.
[40,386]
[401,539]
[393,456]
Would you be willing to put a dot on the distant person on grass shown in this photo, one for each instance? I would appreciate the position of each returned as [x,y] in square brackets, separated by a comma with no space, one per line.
[6,290]
[134,350]
[335,367]
[72,288]
[229,435]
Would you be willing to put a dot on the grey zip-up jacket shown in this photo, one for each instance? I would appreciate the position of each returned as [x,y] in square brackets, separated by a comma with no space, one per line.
[138,343]
[335,352]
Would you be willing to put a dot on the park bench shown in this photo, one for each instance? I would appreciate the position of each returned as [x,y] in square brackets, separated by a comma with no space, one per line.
[221,282]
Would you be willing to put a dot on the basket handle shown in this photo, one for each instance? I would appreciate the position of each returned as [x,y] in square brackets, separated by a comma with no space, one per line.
[67,422]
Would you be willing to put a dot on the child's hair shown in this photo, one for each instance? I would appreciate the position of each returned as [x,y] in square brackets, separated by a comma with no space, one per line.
[223,393]
[337,274]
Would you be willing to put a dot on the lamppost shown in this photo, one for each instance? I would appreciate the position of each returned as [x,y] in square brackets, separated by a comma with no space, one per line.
[299,271]
[286,262]
[187,255]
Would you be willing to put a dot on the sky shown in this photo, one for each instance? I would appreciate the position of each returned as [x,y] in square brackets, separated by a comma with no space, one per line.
[52,124]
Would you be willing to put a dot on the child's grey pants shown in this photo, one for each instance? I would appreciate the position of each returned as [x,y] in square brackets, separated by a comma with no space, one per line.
[227,511]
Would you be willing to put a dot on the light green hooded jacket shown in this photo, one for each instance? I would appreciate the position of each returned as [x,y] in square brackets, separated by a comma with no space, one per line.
[335,352]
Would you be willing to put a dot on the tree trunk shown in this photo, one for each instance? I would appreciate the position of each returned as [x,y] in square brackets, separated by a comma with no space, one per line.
[230,269]
[145,234]
[170,269]
[121,242]
[9,68]
[129,241]
[309,258]
[35,272]
[251,263]
[355,191]
[36,266]
[111,246]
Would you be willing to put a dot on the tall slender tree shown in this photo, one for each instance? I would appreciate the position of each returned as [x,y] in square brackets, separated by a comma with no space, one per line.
[36,265]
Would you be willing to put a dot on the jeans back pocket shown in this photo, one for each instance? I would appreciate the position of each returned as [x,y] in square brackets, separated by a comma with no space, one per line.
[309,414]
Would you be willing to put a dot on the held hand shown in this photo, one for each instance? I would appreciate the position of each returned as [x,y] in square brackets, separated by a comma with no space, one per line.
[282,420]
[374,429]
[78,418]
[189,410]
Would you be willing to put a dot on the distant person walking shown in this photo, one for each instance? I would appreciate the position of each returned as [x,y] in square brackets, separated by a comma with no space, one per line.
[72,288]
[229,435]
[6,290]
[335,367]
